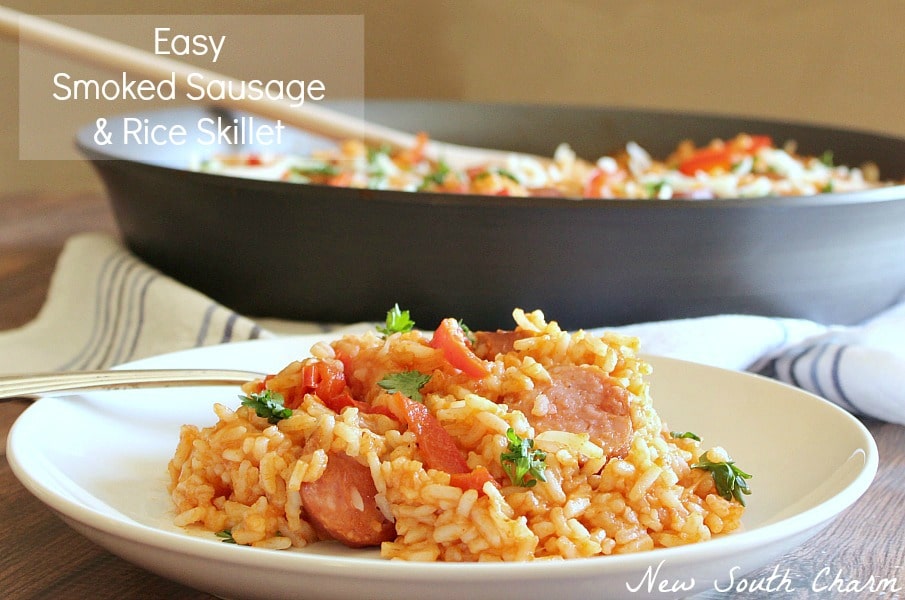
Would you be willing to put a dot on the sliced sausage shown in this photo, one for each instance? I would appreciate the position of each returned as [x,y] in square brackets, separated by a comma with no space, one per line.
[340,504]
[581,400]
[490,343]
[545,192]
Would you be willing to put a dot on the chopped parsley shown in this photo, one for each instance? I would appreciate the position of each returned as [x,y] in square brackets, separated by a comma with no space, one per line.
[408,383]
[324,169]
[376,172]
[268,405]
[374,153]
[827,158]
[523,464]
[498,171]
[226,536]
[508,175]
[654,188]
[437,177]
[730,481]
[397,321]
[469,334]
[688,435]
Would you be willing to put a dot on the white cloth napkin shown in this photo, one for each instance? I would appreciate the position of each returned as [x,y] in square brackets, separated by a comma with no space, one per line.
[106,307]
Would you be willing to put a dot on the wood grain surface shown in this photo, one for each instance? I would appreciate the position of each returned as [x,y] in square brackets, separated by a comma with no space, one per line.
[40,557]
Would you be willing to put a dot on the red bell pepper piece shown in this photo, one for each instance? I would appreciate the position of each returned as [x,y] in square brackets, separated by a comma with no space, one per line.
[723,156]
[437,446]
[473,480]
[707,160]
[451,340]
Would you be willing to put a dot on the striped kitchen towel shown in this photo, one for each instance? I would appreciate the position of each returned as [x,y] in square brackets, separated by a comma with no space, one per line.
[860,368]
[106,307]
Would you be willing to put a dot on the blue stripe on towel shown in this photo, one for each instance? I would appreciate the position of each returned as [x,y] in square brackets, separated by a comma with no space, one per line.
[101,311]
[228,328]
[123,289]
[793,364]
[133,315]
[140,317]
[837,381]
[815,374]
[205,324]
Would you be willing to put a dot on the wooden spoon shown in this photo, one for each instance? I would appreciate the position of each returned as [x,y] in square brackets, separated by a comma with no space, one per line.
[315,119]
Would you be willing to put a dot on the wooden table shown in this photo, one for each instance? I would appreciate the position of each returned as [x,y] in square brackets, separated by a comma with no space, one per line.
[40,557]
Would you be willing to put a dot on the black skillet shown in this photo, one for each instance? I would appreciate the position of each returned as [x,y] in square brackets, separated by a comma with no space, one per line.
[276,249]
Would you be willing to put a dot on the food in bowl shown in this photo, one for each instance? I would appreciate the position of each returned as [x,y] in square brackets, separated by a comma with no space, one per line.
[742,167]
[530,443]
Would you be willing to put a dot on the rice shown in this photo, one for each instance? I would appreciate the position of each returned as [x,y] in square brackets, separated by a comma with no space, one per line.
[262,481]
[746,166]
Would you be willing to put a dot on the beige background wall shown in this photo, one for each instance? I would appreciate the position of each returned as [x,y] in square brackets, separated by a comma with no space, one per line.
[840,62]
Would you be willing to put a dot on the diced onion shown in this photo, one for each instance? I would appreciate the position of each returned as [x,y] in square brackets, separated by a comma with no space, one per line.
[576,443]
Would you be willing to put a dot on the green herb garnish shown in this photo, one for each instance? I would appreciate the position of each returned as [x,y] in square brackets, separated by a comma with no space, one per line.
[375,170]
[729,479]
[469,334]
[398,321]
[685,435]
[507,175]
[827,158]
[437,177]
[498,171]
[408,383]
[653,188]
[373,152]
[324,169]
[268,405]
[523,461]
[226,536]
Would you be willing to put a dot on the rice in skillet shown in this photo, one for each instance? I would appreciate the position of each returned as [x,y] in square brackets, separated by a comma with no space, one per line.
[745,166]
[510,446]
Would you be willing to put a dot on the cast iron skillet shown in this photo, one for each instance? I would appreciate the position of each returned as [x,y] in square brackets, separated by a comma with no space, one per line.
[278,249]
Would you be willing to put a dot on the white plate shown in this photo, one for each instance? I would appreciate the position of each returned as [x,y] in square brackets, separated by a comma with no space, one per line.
[99,460]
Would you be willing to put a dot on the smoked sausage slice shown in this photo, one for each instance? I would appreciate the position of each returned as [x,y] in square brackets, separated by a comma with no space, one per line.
[340,504]
[488,344]
[581,400]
